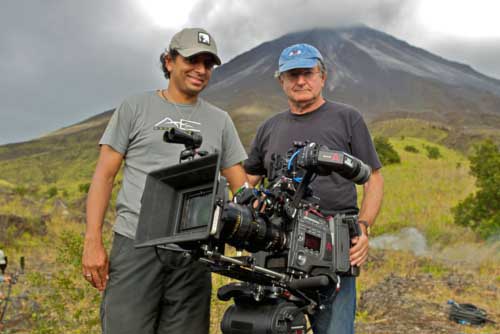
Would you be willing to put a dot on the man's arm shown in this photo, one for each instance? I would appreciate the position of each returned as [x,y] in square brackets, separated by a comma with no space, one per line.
[5,279]
[373,192]
[236,176]
[95,258]
[253,180]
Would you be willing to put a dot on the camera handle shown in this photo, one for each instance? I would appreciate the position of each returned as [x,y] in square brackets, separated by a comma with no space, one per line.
[299,194]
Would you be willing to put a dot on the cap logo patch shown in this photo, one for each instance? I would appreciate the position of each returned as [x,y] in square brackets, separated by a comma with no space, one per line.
[294,53]
[203,38]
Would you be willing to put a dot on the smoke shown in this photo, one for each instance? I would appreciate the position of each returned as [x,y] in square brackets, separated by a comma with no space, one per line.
[412,240]
[408,239]
[471,254]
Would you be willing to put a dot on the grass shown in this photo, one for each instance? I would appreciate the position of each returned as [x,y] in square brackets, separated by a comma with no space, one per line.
[420,192]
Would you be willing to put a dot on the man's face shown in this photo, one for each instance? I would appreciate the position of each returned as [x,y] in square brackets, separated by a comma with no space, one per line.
[303,85]
[190,75]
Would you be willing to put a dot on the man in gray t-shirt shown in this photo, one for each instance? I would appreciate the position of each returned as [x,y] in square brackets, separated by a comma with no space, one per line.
[302,75]
[148,290]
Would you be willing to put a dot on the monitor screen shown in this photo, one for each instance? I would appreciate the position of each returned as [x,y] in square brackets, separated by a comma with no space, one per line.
[196,210]
[312,242]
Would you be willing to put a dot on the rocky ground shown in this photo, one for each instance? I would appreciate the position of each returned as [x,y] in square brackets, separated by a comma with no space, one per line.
[418,303]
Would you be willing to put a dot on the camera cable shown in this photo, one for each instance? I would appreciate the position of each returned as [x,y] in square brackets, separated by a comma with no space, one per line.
[467,314]
[296,179]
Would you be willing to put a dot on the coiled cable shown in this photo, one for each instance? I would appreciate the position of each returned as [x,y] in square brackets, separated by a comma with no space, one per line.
[467,314]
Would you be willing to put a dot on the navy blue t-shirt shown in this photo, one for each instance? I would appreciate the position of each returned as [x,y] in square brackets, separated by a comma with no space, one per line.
[337,126]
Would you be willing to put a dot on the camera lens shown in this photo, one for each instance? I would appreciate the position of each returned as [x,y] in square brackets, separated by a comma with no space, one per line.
[244,231]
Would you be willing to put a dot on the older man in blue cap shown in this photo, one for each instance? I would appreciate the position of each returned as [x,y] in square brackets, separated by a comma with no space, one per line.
[302,75]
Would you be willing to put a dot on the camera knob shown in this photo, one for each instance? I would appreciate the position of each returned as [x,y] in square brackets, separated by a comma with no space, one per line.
[301,258]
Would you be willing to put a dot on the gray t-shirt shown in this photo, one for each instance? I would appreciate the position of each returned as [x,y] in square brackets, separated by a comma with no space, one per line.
[338,126]
[130,132]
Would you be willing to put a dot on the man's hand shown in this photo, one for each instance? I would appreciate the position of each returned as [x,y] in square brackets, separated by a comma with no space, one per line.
[373,192]
[95,264]
[359,250]
[95,259]
[7,279]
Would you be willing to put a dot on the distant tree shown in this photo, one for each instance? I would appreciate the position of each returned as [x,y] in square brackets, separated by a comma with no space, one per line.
[433,152]
[481,211]
[386,152]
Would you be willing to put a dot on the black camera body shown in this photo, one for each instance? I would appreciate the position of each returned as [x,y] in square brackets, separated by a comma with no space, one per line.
[295,249]
[318,246]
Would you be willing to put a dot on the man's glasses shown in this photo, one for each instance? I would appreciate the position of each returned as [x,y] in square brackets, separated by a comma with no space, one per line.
[294,75]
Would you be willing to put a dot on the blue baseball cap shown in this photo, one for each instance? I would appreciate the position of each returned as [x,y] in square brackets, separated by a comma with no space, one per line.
[299,56]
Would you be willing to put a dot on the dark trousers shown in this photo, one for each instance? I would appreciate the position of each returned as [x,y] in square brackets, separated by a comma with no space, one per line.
[146,296]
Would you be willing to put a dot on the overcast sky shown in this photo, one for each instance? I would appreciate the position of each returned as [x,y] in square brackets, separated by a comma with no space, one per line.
[64,61]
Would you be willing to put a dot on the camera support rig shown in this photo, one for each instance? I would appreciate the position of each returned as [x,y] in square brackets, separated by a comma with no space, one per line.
[295,249]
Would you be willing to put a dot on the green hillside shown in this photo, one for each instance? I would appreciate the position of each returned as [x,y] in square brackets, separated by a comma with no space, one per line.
[63,161]
[461,139]
[67,157]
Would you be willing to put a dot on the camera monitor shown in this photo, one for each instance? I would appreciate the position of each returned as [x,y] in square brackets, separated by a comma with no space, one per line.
[178,203]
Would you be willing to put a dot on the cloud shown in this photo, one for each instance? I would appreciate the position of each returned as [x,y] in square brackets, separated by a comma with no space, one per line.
[240,25]
[63,61]
[69,60]
[482,54]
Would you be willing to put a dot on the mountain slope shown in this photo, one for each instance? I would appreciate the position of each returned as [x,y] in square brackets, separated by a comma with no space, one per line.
[382,76]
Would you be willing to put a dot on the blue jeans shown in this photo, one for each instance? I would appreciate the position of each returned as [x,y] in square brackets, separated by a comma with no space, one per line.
[338,317]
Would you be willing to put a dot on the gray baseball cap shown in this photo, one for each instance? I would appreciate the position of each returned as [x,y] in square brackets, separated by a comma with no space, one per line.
[191,41]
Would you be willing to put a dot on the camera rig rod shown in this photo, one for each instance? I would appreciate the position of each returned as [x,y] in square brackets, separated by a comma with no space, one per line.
[211,255]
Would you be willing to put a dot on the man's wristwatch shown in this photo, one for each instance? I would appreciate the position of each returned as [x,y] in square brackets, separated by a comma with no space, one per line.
[367,226]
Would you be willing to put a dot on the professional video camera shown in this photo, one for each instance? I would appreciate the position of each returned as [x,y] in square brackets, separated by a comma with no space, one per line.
[296,250]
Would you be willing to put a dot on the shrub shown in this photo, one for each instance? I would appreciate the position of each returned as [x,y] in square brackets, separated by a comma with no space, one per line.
[433,152]
[20,190]
[386,152]
[52,191]
[481,211]
[84,187]
[411,148]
